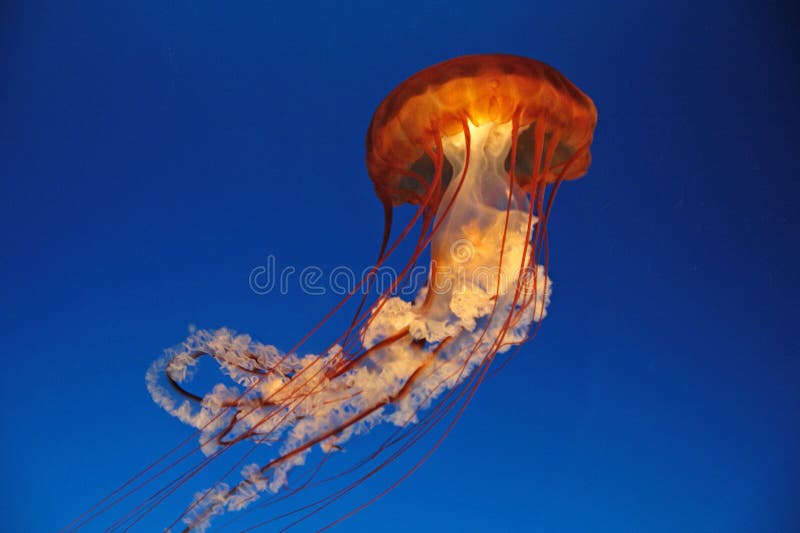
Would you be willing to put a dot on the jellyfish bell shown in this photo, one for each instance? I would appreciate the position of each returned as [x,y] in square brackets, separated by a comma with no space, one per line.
[480,89]
[479,145]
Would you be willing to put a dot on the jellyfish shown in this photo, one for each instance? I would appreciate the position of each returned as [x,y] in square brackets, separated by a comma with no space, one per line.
[478,146]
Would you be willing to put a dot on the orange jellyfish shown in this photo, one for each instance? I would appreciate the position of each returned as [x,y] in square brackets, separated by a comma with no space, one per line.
[479,144]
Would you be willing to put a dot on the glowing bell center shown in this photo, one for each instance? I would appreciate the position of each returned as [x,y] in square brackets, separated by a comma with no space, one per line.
[478,210]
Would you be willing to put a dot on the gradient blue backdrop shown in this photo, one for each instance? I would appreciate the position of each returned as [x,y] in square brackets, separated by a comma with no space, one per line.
[152,153]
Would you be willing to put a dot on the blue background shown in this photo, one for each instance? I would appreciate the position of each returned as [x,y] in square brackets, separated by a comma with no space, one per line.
[152,153]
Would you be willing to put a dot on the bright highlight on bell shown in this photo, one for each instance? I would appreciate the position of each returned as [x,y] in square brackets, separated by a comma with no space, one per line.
[479,145]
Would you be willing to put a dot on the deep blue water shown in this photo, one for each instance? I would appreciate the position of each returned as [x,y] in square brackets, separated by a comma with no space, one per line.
[153,153]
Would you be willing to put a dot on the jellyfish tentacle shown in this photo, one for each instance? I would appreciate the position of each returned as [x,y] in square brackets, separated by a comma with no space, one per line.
[486,119]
